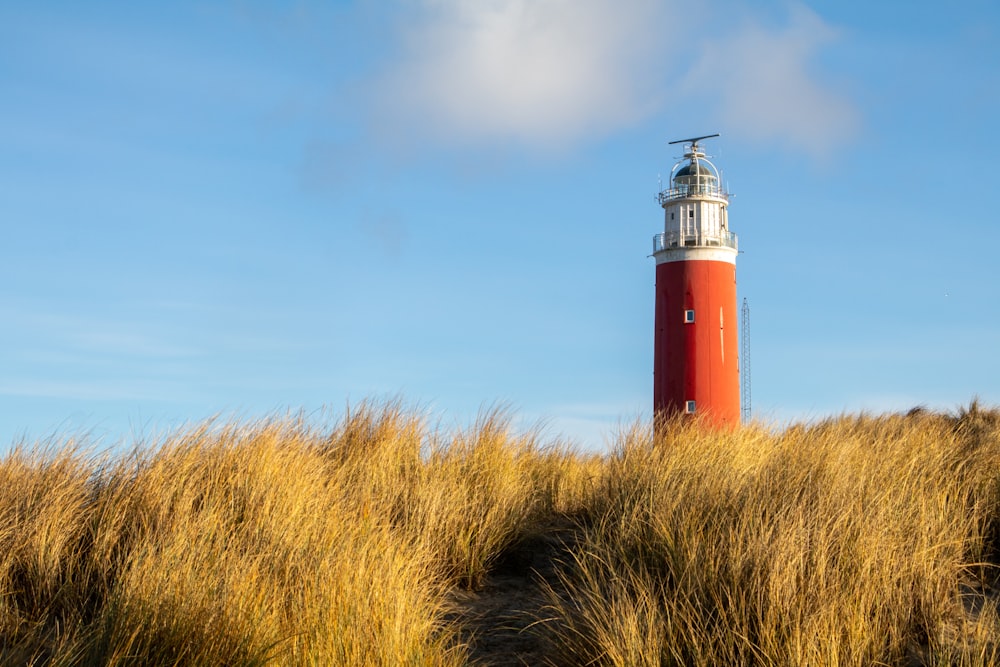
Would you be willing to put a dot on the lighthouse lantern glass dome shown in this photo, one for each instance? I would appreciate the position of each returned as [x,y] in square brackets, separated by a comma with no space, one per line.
[696,173]
[693,177]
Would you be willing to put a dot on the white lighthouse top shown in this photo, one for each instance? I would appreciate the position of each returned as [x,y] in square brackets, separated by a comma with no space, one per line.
[696,217]
[694,175]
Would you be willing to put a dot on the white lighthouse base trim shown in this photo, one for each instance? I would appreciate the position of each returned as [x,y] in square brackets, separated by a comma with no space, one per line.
[694,254]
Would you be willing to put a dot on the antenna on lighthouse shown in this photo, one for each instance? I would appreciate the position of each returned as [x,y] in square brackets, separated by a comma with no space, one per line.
[693,141]
[745,408]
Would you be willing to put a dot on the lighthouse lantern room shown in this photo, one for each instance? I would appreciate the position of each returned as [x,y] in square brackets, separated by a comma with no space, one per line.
[695,364]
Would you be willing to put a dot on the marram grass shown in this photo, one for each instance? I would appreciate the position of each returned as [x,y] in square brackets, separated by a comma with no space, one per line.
[858,540]
[855,541]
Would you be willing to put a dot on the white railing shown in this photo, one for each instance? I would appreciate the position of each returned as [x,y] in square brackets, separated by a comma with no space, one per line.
[670,240]
[685,191]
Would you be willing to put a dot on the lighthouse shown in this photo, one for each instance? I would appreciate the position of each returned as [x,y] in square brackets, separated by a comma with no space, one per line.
[695,364]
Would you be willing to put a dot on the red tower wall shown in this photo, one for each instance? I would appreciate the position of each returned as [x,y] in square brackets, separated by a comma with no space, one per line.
[697,361]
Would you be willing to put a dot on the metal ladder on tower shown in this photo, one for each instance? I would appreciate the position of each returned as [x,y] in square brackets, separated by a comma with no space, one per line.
[745,408]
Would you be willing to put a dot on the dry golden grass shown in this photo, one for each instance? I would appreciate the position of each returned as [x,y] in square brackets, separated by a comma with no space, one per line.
[854,541]
[269,543]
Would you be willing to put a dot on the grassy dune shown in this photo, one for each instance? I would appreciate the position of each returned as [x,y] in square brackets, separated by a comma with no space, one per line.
[859,540]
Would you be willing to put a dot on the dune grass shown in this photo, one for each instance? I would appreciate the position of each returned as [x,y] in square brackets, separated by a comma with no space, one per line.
[268,543]
[854,541]
[858,540]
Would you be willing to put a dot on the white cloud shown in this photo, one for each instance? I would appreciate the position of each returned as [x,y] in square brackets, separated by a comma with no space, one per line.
[552,73]
[539,71]
[761,87]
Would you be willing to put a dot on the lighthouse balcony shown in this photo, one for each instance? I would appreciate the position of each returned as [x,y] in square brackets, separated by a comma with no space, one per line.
[670,240]
[679,191]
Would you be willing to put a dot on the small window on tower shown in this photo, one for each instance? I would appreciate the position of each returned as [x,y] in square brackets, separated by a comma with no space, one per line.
[671,215]
[688,317]
[689,407]
[691,213]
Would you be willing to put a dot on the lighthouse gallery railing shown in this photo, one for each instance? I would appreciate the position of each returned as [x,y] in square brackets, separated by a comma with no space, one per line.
[681,191]
[668,240]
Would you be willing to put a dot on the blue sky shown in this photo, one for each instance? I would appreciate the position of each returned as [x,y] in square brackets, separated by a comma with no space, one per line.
[248,208]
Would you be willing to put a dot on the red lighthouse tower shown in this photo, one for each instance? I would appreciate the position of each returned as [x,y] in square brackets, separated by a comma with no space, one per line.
[695,364]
